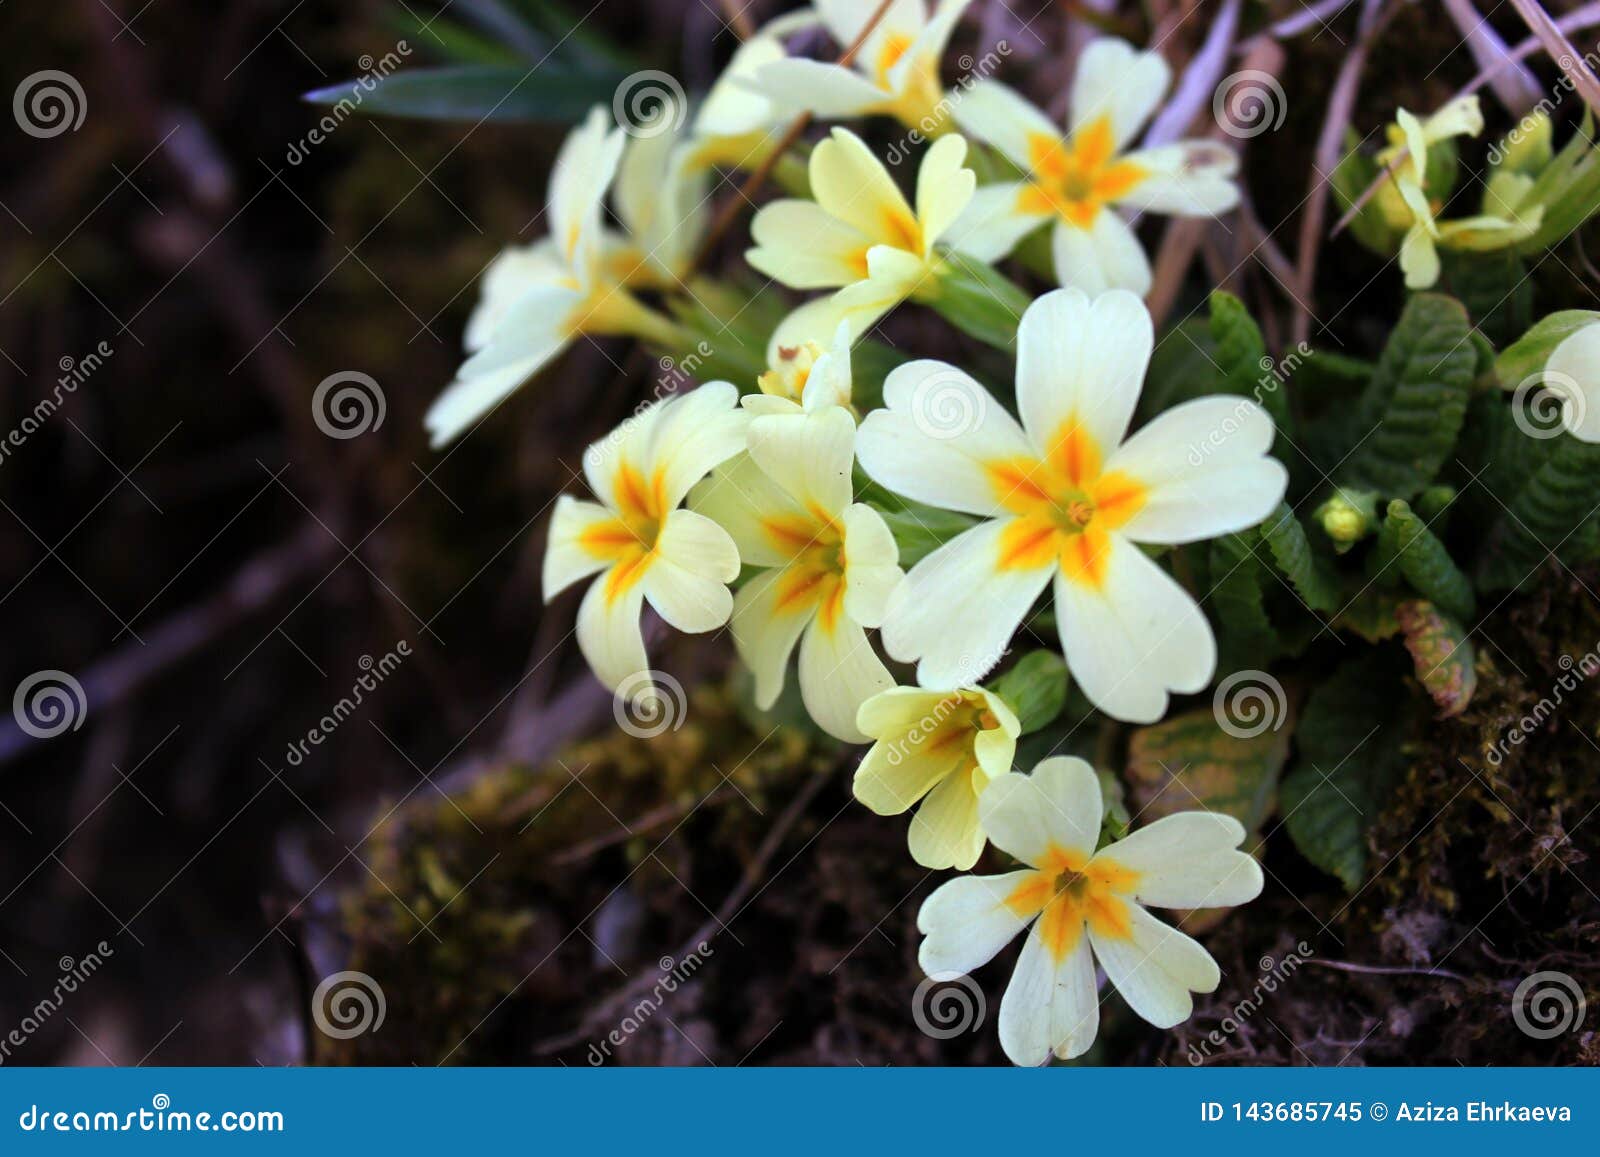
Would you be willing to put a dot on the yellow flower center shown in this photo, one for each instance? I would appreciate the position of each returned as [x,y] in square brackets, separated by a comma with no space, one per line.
[1075,178]
[1065,504]
[814,578]
[629,540]
[1074,892]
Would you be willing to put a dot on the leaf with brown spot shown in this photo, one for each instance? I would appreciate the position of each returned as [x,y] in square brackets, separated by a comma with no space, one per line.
[1442,653]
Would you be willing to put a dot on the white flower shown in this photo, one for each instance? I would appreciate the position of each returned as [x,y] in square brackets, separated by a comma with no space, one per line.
[664,208]
[636,539]
[1066,499]
[830,563]
[1076,180]
[1084,906]
[538,298]
[859,234]
[805,377]
[737,122]
[895,72]
[1573,372]
[941,748]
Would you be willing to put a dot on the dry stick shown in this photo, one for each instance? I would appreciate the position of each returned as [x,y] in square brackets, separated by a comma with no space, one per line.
[729,908]
[752,185]
[256,585]
[1340,103]
[1575,21]
[1515,85]
[739,18]
[1561,50]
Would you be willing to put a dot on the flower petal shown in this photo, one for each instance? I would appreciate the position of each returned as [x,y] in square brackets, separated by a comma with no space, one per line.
[1155,968]
[1002,117]
[694,433]
[1134,637]
[1187,179]
[944,832]
[839,671]
[859,307]
[1058,807]
[994,222]
[900,769]
[566,559]
[1573,371]
[743,499]
[1115,81]
[687,583]
[967,920]
[1189,860]
[1204,470]
[1051,1004]
[1080,366]
[944,188]
[1105,256]
[957,609]
[609,634]
[934,438]
[825,90]
[851,183]
[765,628]
[872,567]
[800,245]
[583,170]
[809,455]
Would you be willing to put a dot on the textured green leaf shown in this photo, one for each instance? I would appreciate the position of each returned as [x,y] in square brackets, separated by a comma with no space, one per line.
[1494,287]
[1183,366]
[920,530]
[1035,688]
[1241,354]
[1441,653]
[1417,399]
[978,300]
[554,93]
[1408,549]
[1350,753]
[1546,515]
[1238,597]
[1311,574]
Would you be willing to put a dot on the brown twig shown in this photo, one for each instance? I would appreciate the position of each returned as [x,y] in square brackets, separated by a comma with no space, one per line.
[739,18]
[730,208]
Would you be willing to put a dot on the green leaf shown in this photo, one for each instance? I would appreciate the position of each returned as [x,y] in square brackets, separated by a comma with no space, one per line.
[1183,366]
[1350,755]
[1035,688]
[1408,549]
[1311,574]
[1190,762]
[1417,399]
[1241,354]
[978,300]
[1495,288]
[920,530]
[447,39]
[1442,654]
[1545,516]
[1238,597]
[554,93]
[1525,358]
